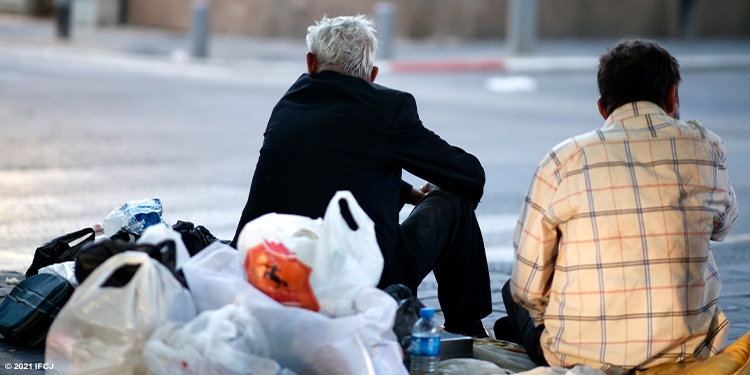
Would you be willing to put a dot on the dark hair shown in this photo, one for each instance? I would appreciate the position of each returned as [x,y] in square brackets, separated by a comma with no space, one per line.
[636,70]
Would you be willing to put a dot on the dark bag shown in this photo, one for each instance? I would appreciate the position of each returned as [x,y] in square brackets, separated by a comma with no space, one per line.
[194,238]
[29,309]
[93,255]
[125,235]
[406,315]
[59,250]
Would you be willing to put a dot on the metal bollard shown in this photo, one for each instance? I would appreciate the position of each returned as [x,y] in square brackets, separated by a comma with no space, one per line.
[385,21]
[201,28]
[521,35]
[62,10]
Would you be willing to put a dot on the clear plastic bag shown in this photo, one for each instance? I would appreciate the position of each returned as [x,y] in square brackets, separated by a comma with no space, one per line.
[135,216]
[225,341]
[103,329]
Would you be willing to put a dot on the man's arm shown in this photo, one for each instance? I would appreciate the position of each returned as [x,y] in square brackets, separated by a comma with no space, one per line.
[426,155]
[724,223]
[536,241]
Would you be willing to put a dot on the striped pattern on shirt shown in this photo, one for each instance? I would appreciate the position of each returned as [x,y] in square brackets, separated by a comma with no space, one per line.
[613,243]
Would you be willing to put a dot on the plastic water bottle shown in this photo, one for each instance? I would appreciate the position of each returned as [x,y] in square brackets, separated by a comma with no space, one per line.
[425,344]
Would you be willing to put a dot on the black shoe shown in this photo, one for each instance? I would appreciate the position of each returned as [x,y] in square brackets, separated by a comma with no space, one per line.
[475,329]
[504,330]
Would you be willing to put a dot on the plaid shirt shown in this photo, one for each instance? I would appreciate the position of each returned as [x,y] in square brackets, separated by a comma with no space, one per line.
[612,243]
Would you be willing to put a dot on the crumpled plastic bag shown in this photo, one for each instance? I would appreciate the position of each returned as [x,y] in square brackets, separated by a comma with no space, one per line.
[135,216]
[227,341]
[102,330]
[66,270]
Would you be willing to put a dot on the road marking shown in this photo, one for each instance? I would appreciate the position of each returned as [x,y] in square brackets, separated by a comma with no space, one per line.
[511,84]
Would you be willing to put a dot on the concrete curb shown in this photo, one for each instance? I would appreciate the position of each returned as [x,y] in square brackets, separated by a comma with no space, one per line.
[550,64]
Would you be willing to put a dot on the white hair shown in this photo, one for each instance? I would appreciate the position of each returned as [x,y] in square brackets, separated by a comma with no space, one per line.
[344,44]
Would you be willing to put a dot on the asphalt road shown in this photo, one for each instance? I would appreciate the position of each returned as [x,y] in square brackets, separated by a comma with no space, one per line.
[83,133]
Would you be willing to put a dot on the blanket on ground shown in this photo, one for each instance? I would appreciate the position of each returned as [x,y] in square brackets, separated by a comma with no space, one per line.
[511,358]
[734,360]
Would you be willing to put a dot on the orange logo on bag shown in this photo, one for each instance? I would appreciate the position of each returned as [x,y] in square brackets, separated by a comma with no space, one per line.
[277,272]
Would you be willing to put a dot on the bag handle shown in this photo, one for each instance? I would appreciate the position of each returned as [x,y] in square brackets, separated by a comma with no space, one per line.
[59,250]
[104,272]
[69,238]
[343,205]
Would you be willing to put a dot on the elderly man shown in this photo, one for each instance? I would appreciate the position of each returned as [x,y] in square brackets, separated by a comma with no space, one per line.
[614,267]
[335,129]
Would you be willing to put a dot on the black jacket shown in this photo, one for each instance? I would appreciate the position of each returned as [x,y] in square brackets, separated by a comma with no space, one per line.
[335,132]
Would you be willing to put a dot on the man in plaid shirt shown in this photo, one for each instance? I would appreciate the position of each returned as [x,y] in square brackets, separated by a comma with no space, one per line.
[614,267]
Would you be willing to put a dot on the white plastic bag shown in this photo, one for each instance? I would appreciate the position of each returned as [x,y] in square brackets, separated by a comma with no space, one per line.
[161,232]
[302,340]
[300,234]
[342,258]
[228,341]
[345,258]
[102,330]
[66,270]
[312,343]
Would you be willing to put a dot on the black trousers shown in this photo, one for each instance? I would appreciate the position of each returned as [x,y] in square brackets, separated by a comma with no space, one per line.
[442,235]
[523,326]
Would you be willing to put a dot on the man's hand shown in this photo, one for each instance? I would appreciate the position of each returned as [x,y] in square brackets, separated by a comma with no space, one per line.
[427,187]
[417,194]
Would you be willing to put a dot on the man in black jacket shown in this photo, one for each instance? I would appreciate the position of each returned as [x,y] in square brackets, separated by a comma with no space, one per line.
[337,130]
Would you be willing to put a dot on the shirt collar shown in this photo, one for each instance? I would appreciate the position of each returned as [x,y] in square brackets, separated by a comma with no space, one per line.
[633,109]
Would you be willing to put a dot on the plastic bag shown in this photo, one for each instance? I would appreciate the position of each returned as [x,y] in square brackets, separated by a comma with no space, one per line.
[159,233]
[406,315]
[103,329]
[225,341]
[277,272]
[341,251]
[60,249]
[218,276]
[135,216]
[300,339]
[93,255]
[66,270]
[196,238]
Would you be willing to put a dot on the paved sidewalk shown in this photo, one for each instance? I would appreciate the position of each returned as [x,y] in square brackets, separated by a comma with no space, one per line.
[409,56]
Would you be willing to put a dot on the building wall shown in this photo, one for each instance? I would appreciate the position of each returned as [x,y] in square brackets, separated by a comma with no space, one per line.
[465,19]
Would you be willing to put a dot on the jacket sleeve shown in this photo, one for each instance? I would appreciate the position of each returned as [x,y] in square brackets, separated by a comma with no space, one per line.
[403,196]
[426,155]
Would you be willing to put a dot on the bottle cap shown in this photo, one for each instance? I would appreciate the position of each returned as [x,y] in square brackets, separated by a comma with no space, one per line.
[426,312]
